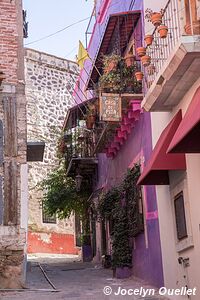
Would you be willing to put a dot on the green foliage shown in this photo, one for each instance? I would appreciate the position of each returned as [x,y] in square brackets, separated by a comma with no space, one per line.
[107,202]
[111,58]
[121,250]
[133,198]
[120,205]
[60,196]
[119,79]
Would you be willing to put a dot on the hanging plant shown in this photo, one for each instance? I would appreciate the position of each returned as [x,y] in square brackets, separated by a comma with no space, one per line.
[146,60]
[149,39]
[163,31]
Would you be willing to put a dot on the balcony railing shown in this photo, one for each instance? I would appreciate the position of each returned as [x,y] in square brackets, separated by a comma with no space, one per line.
[79,143]
[90,26]
[181,18]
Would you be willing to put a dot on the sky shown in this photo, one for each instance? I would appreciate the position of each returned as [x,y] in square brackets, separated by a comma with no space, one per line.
[48,16]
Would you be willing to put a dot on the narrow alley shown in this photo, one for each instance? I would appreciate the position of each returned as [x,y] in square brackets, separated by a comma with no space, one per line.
[99,149]
[73,279]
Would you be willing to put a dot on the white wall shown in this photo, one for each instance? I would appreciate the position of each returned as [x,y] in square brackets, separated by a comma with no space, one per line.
[189,183]
[159,120]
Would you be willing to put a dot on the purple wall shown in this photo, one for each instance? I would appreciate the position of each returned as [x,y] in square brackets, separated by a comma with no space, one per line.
[111,7]
[147,262]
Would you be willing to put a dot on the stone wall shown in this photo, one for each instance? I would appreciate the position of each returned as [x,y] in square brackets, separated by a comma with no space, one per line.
[12,142]
[49,85]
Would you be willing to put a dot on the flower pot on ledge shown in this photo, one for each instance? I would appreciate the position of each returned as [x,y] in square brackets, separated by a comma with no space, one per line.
[163,30]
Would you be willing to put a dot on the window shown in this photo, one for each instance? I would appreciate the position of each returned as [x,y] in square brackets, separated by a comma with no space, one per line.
[180,216]
[48,219]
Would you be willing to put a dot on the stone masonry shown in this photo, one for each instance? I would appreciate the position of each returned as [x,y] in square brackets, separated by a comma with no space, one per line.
[49,86]
[12,144]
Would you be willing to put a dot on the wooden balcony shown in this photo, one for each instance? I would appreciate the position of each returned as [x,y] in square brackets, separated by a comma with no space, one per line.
[78,143]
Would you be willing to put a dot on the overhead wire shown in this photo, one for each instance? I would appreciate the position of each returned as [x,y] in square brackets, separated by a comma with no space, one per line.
[58,31]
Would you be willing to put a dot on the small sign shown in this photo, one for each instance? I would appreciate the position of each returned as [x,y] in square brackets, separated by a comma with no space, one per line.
[110,107]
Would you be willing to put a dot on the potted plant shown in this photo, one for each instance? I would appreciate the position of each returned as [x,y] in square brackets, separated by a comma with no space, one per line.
[141,51]
[149,39]
[120,80]
[139,75]
[110,82]
[163,30]
[146,60]
[154,17]
[110,62]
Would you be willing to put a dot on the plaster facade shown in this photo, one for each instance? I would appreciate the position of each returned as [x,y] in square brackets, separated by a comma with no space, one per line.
[175,274]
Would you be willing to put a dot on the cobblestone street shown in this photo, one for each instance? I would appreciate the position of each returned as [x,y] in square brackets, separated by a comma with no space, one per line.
[73,280]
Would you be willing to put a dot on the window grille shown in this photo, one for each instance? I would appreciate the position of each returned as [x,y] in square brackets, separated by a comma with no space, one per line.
[46,218]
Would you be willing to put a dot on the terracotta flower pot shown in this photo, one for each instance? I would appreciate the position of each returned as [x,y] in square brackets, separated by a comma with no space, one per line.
[193,28]
[139,76]
[129,60]
[148,39]
[90,121]
[151,69]
[146,60]
[156,19]
[111,66]
[163,30]
[141,51]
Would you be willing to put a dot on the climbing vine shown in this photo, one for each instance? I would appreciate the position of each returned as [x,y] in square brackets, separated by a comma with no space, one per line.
[121,207]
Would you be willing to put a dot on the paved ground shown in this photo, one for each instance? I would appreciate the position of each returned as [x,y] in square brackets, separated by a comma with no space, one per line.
[74,280]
